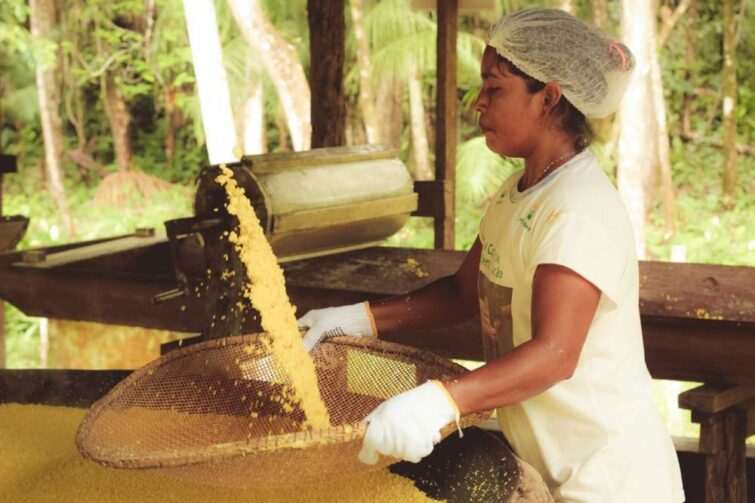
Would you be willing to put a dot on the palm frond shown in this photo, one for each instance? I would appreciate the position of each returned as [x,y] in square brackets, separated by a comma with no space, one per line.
[397,59]
[469,49]
[389,20]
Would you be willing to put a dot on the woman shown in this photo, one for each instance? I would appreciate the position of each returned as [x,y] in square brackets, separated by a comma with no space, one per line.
[554,277]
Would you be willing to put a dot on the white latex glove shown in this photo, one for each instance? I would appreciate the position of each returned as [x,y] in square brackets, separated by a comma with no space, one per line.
[408,425]
[355,320]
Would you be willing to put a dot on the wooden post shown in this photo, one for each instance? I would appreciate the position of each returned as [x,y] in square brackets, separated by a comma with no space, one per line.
[7,165]
[327,31]
[722,412]
[445,125]
[2,304]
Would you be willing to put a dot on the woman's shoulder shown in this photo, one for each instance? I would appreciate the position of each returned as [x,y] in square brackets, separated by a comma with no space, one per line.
[586,188]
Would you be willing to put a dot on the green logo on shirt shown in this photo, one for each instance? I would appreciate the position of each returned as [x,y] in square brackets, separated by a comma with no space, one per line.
[527,221]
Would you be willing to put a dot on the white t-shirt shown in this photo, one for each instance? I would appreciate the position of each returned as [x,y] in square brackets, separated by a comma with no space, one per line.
[595,437]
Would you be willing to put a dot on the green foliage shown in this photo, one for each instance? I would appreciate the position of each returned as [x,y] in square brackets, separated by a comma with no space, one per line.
[22,339]
[403,42]
[710,229]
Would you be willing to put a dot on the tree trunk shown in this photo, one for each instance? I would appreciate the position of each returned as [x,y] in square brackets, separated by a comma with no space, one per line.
[390,114]
[170,122]
[729,91]
[366,95]
[42,14]
[119,116]
[212,85]
[638,137]
[664,159]
[281,63]
[420,148]
[689,59]
[72,92]
[280,120]
[327,31]
[253,120]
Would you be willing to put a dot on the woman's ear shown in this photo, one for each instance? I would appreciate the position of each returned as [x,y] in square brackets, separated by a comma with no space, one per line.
[551,96]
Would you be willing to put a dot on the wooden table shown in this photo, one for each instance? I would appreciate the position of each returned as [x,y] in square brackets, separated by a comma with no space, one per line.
[698,320]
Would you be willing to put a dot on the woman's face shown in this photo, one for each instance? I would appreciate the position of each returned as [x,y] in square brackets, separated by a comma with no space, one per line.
[510,116]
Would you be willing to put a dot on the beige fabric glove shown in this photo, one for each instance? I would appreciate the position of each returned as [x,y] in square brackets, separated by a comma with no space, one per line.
[408,425]
[355,320]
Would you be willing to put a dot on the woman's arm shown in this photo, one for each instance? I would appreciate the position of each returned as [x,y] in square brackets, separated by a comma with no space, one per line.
[563,307]
[447,301]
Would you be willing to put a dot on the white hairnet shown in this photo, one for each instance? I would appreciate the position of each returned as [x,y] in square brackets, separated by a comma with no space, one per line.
[592,68]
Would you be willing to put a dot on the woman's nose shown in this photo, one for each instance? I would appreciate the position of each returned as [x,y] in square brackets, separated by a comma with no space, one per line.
[479,103]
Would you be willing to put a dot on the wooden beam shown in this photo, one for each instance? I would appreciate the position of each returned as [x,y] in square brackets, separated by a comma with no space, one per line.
[118,289]
[445,125]
[72,388]
[699,350]
[697,291]
[2,334]
[713,398]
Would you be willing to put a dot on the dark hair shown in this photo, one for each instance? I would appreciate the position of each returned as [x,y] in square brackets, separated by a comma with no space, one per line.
[573,121]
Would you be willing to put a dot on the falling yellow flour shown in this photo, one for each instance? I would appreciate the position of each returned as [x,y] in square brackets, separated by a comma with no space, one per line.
[39,463]
[266,290]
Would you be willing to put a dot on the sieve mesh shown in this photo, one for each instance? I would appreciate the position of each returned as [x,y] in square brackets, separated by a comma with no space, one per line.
[217,411]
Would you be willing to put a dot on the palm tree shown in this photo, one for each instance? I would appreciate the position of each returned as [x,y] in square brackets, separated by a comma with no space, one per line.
[403,52]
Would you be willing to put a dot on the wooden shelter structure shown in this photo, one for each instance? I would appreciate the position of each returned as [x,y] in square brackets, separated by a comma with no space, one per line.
[698,320]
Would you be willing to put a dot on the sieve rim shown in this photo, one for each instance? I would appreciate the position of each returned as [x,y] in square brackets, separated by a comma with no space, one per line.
[187,456]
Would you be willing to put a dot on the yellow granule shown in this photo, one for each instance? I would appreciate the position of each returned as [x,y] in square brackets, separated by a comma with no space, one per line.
[39,463]
[266,289]
[412,266]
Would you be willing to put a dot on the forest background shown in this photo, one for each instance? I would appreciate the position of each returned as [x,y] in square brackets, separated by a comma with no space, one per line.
[99,102]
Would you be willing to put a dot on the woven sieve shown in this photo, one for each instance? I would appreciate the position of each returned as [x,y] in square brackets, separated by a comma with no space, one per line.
[209,412]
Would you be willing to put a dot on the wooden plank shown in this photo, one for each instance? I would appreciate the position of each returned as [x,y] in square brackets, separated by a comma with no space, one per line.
[699,350]
[714,398]
[10,257]
[83,253]
[72,388]
[93,296]
[385,271]
[700,291]
[445,122]
[664,293]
